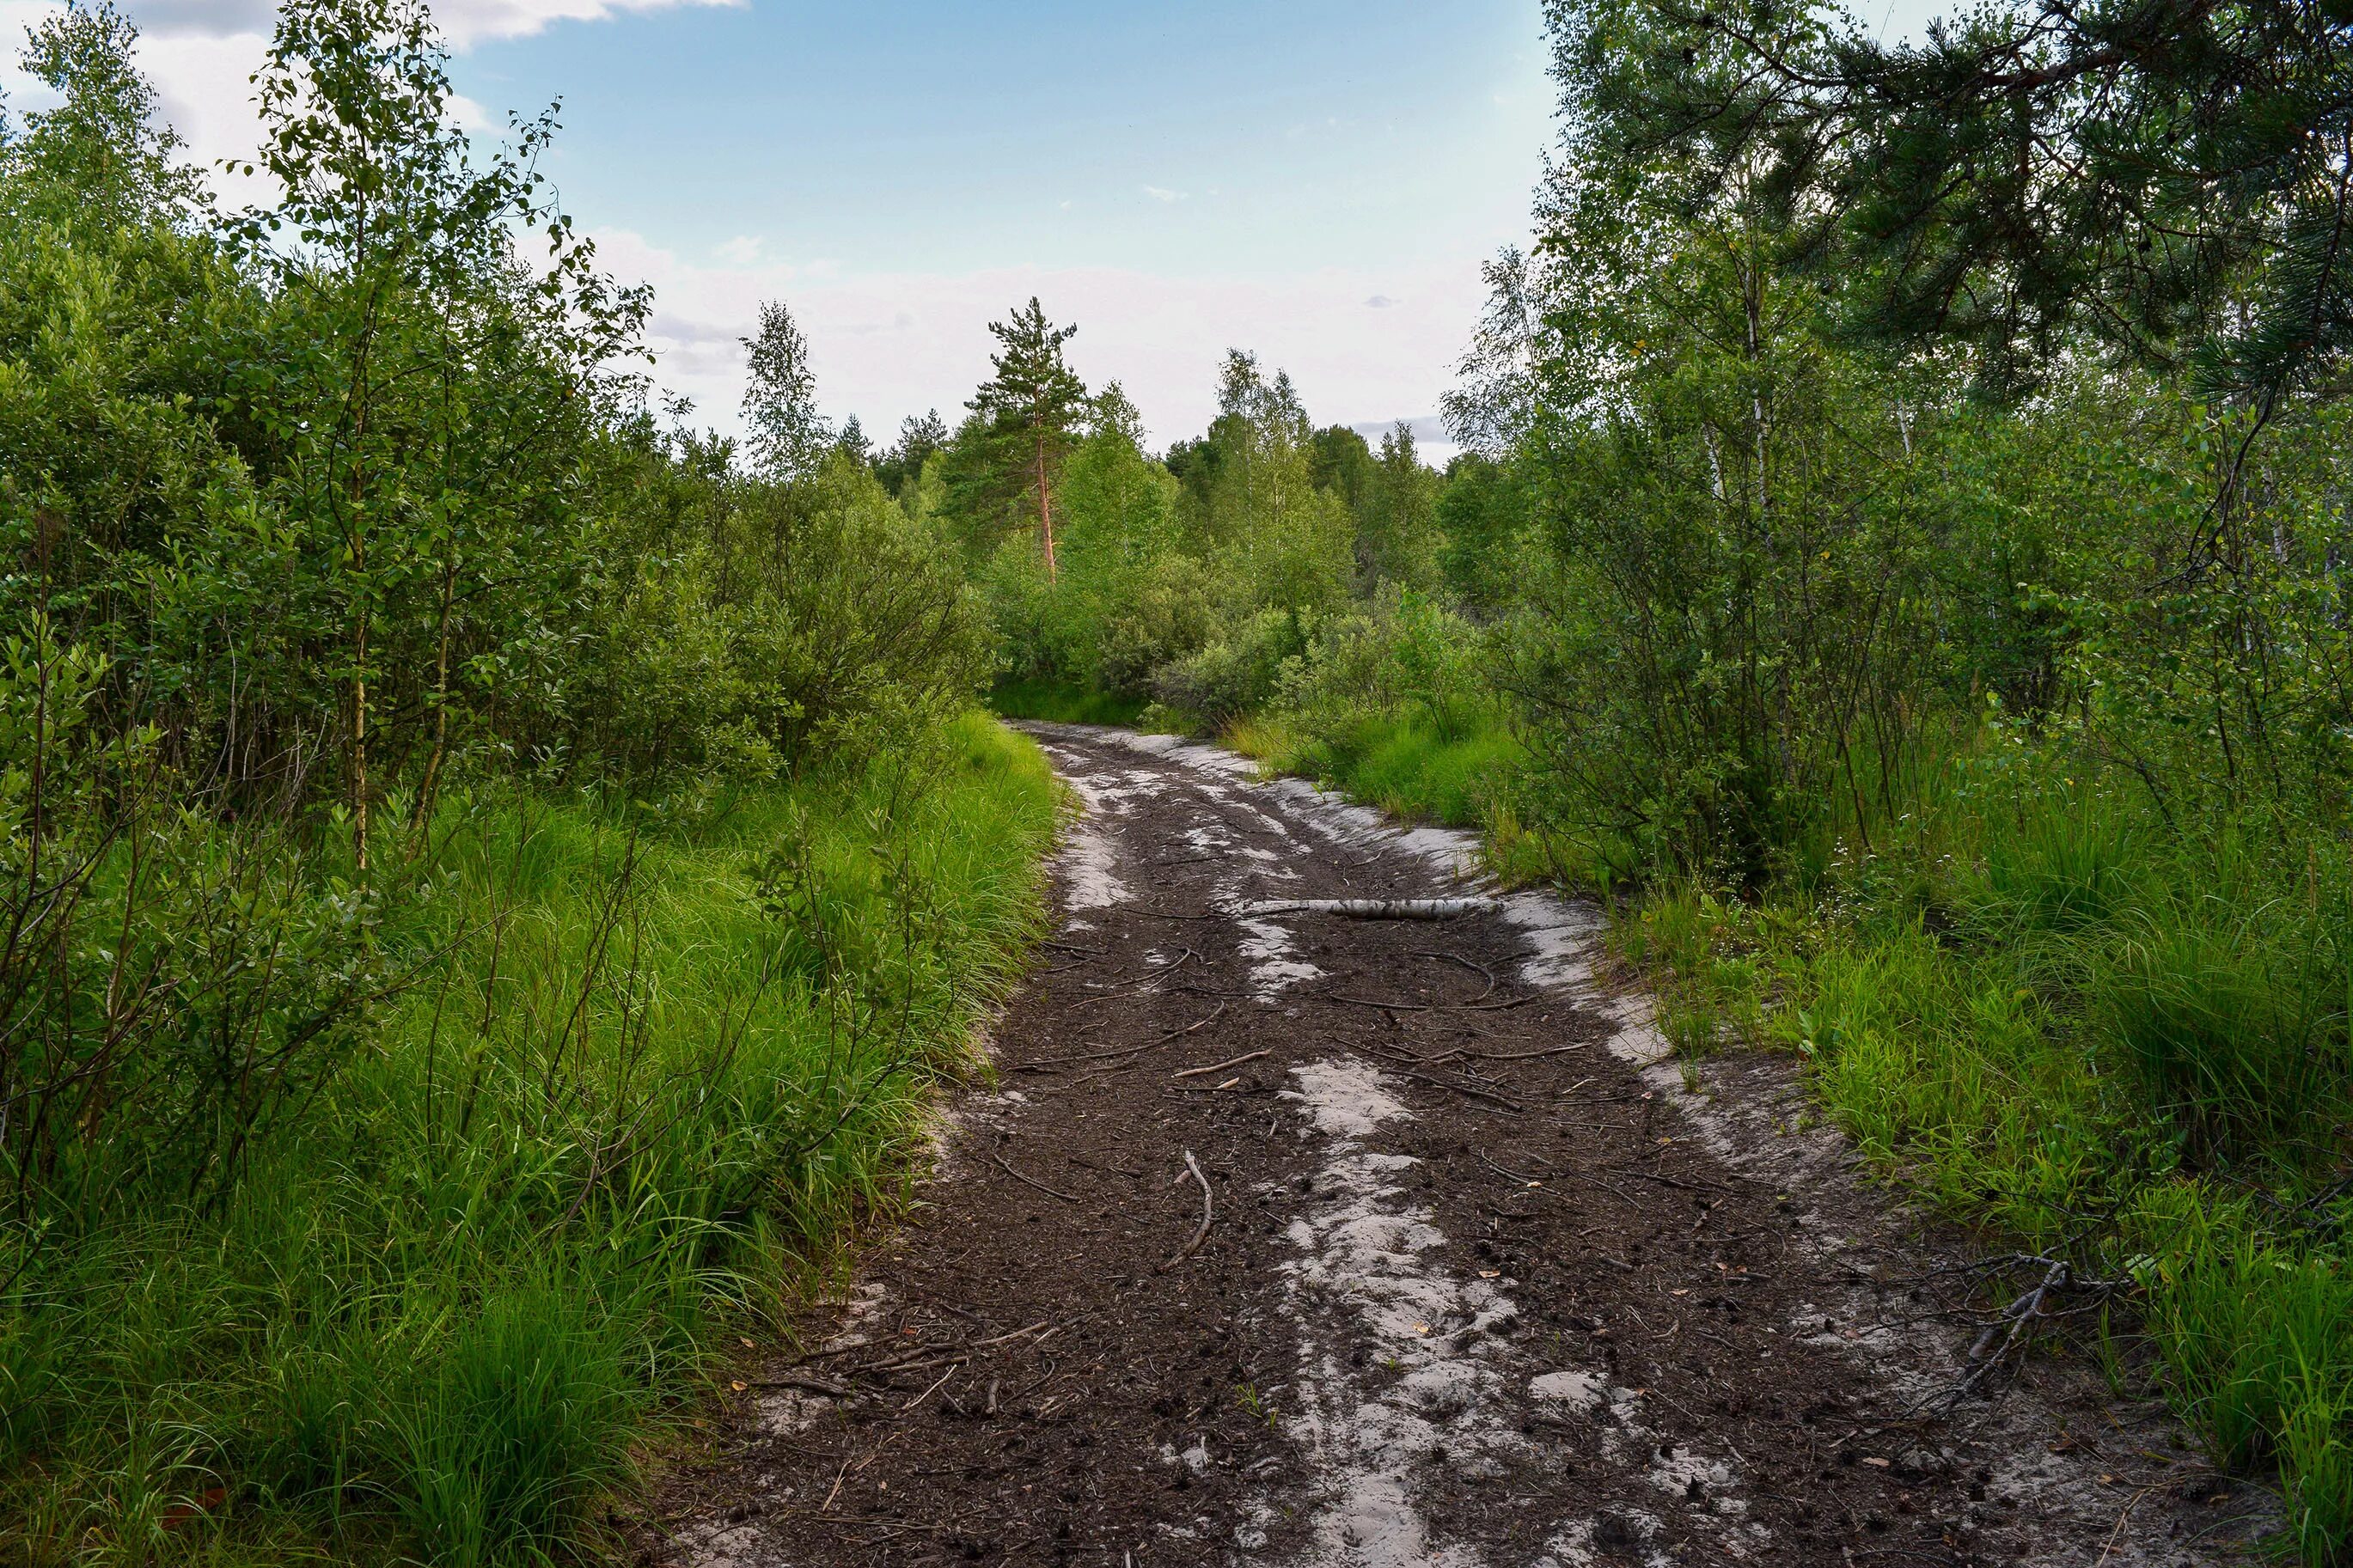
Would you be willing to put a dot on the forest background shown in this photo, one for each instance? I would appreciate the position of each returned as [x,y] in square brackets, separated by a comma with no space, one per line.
[490,870]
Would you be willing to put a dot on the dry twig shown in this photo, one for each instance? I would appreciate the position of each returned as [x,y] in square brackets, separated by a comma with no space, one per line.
[1208,1213]
[1220,1067]
[1029,1182]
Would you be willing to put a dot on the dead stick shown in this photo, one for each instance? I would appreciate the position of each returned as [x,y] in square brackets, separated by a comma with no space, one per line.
[1220,1067]
[928,1391]
[1464,1089]
[1471,964]
[1208,1213]
[978,1345]
[1043,1062]
[1028,1181]
[1518,1056]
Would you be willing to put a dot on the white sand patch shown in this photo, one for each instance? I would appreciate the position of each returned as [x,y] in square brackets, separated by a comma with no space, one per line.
[1583,1392]
[1428,1392]
[1267,948]
[1091,878]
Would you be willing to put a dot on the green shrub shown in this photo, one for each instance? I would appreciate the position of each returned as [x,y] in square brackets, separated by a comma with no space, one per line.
[1236,673]
[672,1052]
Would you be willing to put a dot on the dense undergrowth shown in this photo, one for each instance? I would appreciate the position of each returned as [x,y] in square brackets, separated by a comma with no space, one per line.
[662,1054]
[487,876]
[2058,1017]
[1063,705]
[485,871]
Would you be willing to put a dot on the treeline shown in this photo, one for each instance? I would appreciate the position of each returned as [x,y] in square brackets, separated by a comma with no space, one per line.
[1899,552]
[485,871]
[1198,581]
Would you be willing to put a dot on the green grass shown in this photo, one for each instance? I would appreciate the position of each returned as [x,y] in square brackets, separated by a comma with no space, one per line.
[448,1305]
[2057,1021]
[1410,766]
[1063,705]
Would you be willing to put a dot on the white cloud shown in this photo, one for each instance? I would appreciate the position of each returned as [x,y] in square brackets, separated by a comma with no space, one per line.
[465,21]
[886,345]
[1379,302]
[744,250]
[1163,193]
[202,54]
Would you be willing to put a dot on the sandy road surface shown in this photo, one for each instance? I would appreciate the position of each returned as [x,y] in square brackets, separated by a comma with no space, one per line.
[1483,1283]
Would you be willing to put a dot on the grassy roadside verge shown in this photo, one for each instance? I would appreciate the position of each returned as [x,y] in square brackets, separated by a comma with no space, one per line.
[672,1052]
[1411,766]
[2103,1038]
[1057,704]
[2056,1018]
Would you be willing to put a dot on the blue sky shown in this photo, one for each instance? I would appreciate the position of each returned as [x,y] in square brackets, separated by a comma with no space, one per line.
[1312,180]
[939,137]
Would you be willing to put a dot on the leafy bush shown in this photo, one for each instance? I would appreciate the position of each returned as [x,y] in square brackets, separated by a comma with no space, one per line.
[485,883]
[663,1057]
[1237,672]
[1402,653]
[1159,613]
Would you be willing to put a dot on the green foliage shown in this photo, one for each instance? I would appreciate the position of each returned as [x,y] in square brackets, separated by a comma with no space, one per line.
[1903,552]
[1190,582]
[789,437]
[2167,179]
[1064,704]
[1396,539]
[1237,671]
[2036,1004]
[1007,460]
[761,625]
[659,1059]
[485,881]
[1480,514]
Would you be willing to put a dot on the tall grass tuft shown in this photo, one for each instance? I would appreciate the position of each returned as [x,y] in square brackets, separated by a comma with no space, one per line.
[667,1053]
[2238,1036]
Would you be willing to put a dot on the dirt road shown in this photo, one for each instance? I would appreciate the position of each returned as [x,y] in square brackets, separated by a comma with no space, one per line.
[1293,1238]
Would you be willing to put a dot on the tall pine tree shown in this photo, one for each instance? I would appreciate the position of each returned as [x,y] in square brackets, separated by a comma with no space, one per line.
[1031,407]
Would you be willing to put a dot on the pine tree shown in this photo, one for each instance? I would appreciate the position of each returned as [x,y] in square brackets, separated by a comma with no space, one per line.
[852,442]
[1032,404]
[920,436]
[2168,178]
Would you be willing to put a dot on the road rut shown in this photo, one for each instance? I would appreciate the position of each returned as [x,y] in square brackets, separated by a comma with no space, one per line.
[1485,1280]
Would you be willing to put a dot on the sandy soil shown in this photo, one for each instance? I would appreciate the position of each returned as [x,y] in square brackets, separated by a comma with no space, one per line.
[1485,1280]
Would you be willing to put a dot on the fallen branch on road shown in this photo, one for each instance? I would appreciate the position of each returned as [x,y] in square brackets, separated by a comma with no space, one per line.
[1460,1089]
[1220,1067]
[1371,908]
[2015,1324]
[1028,1182]
[1208,1213]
